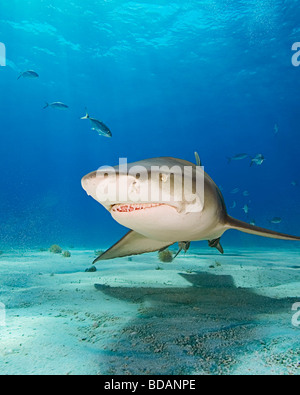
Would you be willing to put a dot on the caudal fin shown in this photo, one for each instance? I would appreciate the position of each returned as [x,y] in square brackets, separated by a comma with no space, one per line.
[233,223]
[47,105]
[86,115]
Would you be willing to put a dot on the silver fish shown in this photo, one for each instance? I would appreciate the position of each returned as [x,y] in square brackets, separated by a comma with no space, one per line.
[57,105]
[98,126]
[276,220]
[238,157]
[246,193]
[235,190]
[233,205]
[258,160]
[246,209]
[28,74]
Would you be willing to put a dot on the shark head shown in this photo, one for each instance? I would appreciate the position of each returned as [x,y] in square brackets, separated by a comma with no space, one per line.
[161,198]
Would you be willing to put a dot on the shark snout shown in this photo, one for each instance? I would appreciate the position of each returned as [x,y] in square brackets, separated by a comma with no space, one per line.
[111,188]
[89,183]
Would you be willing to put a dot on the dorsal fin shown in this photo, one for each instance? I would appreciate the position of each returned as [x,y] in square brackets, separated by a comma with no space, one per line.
[198,160]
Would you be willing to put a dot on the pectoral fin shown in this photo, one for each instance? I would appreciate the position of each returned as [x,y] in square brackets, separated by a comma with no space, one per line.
[132,243]
[216,244]
[183,245]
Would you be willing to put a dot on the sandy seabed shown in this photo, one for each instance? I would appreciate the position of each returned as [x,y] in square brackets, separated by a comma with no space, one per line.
[201,314]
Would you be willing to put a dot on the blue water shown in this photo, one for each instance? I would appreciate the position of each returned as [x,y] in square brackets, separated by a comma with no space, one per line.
[168,78]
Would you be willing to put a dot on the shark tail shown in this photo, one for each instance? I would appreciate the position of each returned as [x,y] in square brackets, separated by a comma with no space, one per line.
[236,224]
[20,75]
[228,160]
[47,105]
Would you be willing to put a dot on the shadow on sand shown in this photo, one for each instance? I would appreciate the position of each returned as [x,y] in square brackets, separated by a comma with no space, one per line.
[205,328]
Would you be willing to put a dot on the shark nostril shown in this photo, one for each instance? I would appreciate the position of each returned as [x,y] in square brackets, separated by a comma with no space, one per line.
[135,186]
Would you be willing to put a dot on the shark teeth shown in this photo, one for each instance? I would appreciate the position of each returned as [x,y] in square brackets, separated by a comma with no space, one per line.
[129,208]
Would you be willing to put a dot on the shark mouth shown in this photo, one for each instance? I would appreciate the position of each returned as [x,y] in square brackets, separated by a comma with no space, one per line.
[129,208]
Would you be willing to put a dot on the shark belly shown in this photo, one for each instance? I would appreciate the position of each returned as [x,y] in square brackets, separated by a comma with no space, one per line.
[165,223]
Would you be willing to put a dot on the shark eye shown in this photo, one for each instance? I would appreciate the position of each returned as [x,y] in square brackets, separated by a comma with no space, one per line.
[164,177]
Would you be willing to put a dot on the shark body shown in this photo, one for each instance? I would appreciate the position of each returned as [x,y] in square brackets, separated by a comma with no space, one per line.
[170,218]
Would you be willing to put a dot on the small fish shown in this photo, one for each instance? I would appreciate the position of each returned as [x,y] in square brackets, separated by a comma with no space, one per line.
[58,105]
[246,209]
[233,205]
[253,222]
[98,126]
[246,193]
[276,129]
[294,183]
[28,74]
[237,157]
[258,160]
[276,220]
[234,191]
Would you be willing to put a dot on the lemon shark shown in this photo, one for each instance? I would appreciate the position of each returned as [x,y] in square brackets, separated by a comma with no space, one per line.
[172,217]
